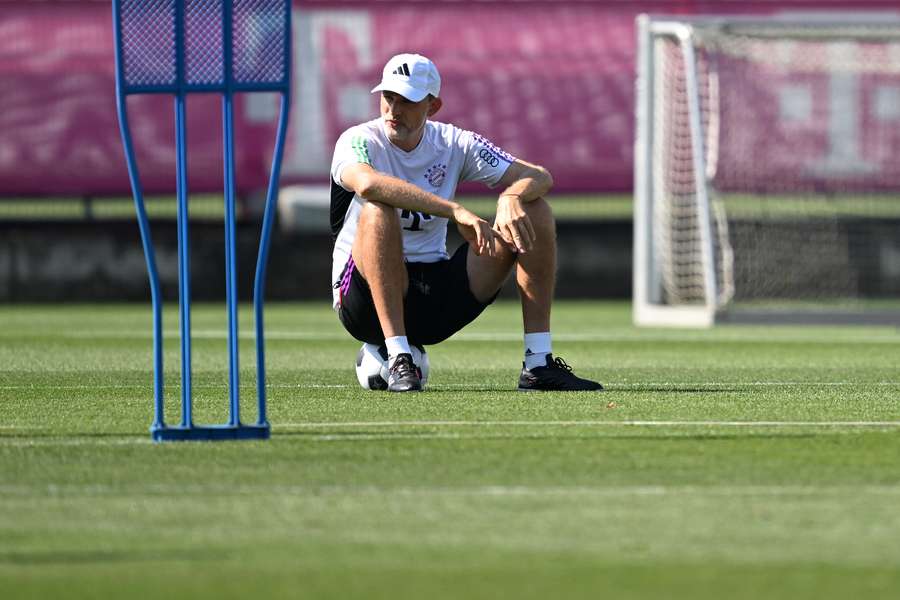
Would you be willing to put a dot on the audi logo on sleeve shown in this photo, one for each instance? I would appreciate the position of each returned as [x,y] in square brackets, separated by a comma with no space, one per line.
[490,151]
[488,157]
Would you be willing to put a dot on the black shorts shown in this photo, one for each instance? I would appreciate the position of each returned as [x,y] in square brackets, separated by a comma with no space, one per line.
[438,303]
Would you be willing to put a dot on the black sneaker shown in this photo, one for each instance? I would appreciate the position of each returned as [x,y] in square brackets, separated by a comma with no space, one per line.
[403,376]
[557,376]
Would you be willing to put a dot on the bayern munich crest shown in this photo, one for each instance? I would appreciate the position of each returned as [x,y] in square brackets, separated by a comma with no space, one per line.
[436,174]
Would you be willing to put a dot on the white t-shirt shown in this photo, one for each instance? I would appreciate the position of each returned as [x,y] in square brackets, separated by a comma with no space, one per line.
[446,156]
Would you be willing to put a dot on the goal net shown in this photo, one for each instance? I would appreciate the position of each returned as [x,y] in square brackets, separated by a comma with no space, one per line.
[767,171]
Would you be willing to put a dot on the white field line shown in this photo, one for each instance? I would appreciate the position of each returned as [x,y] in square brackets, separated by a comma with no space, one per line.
[574,423]
[503,336]
[611,385]
[187,489]
[318,431]
[174,386]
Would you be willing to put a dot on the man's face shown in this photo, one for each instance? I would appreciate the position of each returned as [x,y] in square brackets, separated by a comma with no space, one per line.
[404,120]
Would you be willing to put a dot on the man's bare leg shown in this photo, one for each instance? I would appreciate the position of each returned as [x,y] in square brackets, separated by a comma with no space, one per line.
[535,269]
[536,281]
[378,254]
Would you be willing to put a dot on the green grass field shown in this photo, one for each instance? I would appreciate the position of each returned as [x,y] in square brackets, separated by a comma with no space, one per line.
[739,462]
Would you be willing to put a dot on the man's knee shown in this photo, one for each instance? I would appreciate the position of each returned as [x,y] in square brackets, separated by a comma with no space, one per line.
[378,244]
[376,213]
[541,215]
[377,231]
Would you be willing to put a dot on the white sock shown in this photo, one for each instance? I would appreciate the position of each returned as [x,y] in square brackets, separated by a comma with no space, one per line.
[537,347]
[396,345]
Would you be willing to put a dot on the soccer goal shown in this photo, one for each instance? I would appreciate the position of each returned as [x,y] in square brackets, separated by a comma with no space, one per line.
[767,170]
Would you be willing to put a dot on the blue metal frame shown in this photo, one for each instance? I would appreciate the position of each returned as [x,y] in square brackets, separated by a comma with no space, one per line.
[187,430]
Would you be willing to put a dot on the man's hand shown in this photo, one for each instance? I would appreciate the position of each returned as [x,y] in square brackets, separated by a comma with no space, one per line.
[474,230]
[513,224]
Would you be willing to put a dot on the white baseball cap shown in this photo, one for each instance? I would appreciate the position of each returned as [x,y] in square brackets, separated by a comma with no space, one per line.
[412,76]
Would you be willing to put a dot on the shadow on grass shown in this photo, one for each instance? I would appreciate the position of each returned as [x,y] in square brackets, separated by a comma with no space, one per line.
[609,389]
[681,389]
[588,433]
[88,557]
[460,389]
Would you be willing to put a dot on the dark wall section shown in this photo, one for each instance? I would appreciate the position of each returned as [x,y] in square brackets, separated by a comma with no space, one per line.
[104,261]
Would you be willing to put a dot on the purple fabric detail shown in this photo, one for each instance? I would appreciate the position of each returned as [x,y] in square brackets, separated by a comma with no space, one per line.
[348,276]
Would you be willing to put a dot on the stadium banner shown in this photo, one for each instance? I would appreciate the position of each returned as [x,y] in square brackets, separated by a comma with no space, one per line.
[549,81]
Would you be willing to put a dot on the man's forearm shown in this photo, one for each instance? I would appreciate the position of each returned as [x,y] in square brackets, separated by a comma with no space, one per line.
[402,194]
[532,184]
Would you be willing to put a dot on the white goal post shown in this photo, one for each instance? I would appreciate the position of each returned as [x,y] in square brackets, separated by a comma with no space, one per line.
[767,169]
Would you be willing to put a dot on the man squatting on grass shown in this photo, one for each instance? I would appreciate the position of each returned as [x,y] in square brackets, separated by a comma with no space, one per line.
[392,189]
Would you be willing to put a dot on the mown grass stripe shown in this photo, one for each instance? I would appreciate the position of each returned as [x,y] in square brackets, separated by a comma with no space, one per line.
[66,489]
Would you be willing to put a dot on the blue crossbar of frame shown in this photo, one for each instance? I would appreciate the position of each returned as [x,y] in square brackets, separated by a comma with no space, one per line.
[179,88]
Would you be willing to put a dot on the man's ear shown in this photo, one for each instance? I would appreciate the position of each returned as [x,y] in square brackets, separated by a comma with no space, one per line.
[436,104]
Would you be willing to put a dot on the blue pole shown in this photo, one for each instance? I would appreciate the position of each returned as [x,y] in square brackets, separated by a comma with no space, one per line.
[259,285]
[262,262]
[149,256]
[144,226]
[184,260]
[230,266]
[184,247]
[234,390]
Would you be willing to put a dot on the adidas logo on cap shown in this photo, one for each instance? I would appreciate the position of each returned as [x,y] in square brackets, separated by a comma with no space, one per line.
[401,70]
